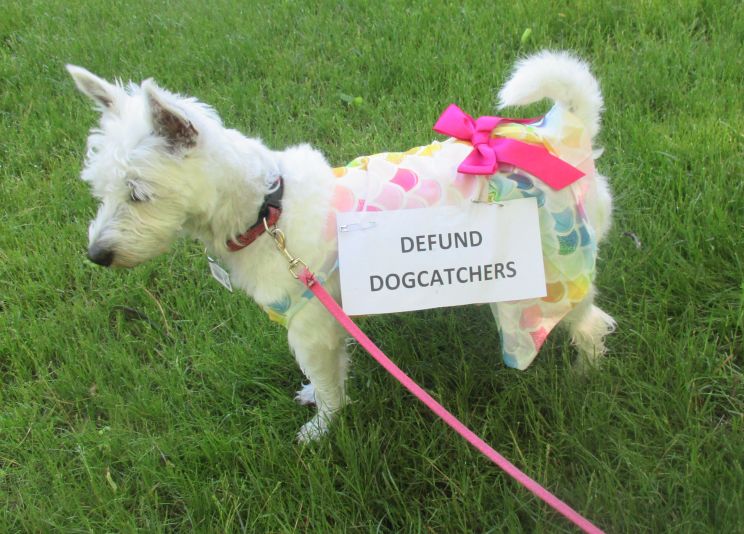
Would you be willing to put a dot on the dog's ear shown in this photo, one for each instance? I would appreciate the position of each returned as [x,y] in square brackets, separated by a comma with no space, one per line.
[168,120]
[100,91]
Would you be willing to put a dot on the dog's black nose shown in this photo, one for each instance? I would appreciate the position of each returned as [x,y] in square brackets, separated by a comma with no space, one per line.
[101,256]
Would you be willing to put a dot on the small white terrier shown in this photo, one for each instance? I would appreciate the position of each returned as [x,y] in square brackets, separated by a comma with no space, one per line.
[162,165]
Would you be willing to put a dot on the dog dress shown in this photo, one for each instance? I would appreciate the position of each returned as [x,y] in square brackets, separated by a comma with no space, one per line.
[427,176]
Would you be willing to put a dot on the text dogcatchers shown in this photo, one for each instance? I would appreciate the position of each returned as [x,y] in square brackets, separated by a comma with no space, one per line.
[441,277]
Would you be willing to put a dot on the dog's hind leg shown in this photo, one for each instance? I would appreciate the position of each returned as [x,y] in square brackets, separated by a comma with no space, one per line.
[319,346]
[588,326]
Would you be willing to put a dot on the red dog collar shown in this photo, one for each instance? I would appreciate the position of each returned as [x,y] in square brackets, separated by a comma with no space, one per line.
[271,210]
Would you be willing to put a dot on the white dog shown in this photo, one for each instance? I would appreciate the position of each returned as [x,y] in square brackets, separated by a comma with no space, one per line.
[162,165]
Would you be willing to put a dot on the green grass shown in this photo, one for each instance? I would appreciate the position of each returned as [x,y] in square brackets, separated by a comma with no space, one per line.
[153,400]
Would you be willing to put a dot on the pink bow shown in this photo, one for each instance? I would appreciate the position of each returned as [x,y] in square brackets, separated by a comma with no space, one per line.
[488,152]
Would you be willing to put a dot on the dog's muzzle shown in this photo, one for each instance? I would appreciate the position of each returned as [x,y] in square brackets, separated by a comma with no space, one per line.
[101,255]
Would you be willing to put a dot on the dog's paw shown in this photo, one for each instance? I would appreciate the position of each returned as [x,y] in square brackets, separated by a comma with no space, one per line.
[306,396]
[313,429]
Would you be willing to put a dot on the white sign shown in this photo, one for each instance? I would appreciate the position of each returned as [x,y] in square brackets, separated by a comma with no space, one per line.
[415,259]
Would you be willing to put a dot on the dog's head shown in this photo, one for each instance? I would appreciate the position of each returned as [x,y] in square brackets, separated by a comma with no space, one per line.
[143,164]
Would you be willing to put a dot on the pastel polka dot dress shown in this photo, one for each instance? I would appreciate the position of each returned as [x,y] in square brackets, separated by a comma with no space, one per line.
[427,176]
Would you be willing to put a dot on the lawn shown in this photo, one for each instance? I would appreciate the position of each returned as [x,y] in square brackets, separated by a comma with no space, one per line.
[154,400]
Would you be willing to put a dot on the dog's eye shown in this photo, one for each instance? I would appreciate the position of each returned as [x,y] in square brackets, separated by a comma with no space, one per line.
[136,192]
[135,196]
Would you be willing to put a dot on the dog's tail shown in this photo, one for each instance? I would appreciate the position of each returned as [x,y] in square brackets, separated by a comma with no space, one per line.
[560,77]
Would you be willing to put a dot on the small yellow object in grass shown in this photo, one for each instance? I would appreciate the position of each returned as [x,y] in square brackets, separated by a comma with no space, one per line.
[525,35]
[355,101]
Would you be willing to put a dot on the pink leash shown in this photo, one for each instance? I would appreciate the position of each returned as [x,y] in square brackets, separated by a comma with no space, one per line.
[307,278]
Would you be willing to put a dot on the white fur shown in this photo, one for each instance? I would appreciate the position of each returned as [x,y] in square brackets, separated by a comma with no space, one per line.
[306,395]
[192,175]
[558,76]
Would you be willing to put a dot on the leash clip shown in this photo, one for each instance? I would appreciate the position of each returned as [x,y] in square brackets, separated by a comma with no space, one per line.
[296,265]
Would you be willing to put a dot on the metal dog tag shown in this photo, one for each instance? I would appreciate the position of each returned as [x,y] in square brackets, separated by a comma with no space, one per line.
[219,274]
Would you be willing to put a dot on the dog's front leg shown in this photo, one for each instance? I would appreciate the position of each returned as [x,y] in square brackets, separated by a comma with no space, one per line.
[318,343]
